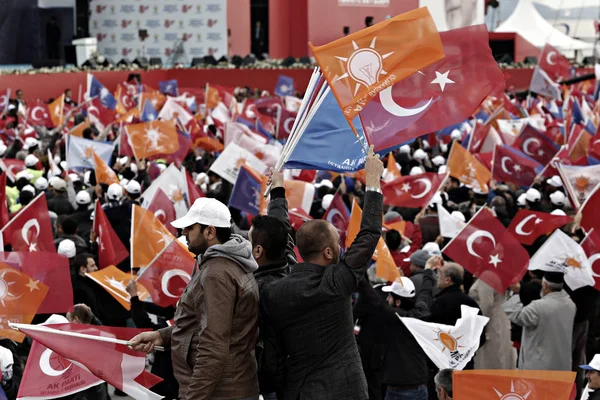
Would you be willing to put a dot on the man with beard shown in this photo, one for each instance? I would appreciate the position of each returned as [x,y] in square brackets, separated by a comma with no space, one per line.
[215,332]
[311,308]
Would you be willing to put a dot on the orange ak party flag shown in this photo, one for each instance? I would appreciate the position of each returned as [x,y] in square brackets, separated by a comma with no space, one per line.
[56,109]
[393,172]
[79,128]
[19,300]
[512,384]
[360,65]
[386,267]
[115,282]
[104,174]
[463,166]
[151,138]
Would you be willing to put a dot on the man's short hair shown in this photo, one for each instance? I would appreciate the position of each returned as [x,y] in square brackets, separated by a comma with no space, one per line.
[455,272]
[223,234]
[82,313]
[555,287]
[68,224]
[312,237]
[443,379]
[271,234]
[393,239]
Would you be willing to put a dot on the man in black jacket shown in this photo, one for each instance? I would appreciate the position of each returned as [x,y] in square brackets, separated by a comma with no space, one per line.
[311,308]
[404,368]
[273,249]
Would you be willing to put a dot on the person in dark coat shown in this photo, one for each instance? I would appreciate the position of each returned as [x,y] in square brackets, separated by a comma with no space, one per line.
[273,249]
[66,228]
[83,287]
[59,203]
[311,308]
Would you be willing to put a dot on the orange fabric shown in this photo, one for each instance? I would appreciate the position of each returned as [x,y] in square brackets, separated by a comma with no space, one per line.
[295,192]
[22,296]
[581,146]
[463,166]
[209,144]
[56,109]
[399,226]
[360,65]
[104,174]
[212,97]
[152,138]
[263,186]
[128,116]
[155,97]
[354,224]
[78,130]
[512,384]
[114,281]
[392,169]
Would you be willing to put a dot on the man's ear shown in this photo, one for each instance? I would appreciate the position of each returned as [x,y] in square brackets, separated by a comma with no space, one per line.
[257,251]
[328,253]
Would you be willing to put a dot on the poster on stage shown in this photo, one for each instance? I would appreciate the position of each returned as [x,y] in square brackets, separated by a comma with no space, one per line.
[173,30]
[454,14]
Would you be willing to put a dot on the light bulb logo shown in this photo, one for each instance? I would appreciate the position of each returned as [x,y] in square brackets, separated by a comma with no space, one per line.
[364,66]
[512,395]
[448,341]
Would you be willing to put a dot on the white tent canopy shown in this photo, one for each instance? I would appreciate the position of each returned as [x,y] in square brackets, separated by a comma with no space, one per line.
[531,26]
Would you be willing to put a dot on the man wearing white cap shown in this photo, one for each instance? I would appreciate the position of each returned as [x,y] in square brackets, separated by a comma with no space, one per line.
[60,203]
[592,373]
[558,199]
[212,342]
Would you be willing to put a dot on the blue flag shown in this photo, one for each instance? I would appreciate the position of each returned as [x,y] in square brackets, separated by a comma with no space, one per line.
[80,152]
[246,193]
[328,142]
[96,89]
[148,112]
[576,114]
[592,161]
[285,86]
[168,87]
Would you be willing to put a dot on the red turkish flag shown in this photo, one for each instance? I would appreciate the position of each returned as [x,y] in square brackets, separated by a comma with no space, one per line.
[111,250]
[167,276]
[194,192]
[268,112]
[488,250]
[298,217]
[49,268]
[480,133]
[163,209]
[485,159]
[535,145]
[3,205]
[527,225]
[412,191]
[591,246]
[510,165]
[30,229]
[590,211]
[439,95]
[124,145]
[11,166]
[337,214]
[99,114]
[595,146]
[286,123]
[48,375]
[114,363]
[38,114]
[554,63]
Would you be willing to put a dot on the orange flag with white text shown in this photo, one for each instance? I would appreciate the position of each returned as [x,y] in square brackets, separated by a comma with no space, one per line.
[463,166]
[512,384]
[56,109]
[21,300]
[360,65]
[104,174]
[115,282]
[152,138]
[386,267]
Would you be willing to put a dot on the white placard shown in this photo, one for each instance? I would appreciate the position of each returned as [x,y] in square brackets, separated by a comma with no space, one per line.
[227,164]
[454,14]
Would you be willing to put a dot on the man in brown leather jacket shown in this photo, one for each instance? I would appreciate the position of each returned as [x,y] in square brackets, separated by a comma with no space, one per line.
[213,340]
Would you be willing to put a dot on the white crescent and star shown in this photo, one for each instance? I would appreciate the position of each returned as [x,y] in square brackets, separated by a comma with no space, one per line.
[164,281]
[549,58]
[526,145]
[476,235]
[521,225]
[34,111]
[47,368]
[158,213]
[289,124]
[32,223]
[427,184]
[503,164]
[592,259]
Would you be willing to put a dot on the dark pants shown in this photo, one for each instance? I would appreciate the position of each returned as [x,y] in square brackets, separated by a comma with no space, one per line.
[580,333]
[419,393]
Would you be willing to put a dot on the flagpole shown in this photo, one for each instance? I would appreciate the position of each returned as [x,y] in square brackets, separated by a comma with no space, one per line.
[463,228]
[79,95]
[45,329]
[142,270]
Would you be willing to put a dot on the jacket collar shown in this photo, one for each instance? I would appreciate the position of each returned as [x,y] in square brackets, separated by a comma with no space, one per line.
[307,267]
[280,266]
[450,289]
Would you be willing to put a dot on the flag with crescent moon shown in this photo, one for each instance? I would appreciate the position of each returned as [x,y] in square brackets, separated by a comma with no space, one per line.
[487,249]
[163,209]
[111,250]
[338,215]
[116,364]
[449,346]
[510,165]
[591,245]
[115,282]
[437,96]
[31,229]
[590,211]
[413,191]
[536,145]
[38,114]
[98,114]
[167,276]
[527,225]
[560,253]
[360,65]
[556,65]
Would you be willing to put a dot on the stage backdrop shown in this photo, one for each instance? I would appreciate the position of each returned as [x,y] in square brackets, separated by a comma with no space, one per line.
[176,29]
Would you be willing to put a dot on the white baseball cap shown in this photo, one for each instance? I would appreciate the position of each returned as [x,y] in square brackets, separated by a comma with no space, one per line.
[442,169]
[405,149]
[558,198]
[456,135]
[83,197]
[419,154]
[443,147]
[86,177]
[74,177]
[521,200]
[438,160]
[67,248]
[28,188]
[41,183]
[555,181]
[533,195]
[432,248]
[60,185]
[457,215]
[425,144]
[324,182]
[416,171]
[436,199]
[559,212]
[133,187]
[205,211]
[594,365]
[114,192]
[405,288]
[31,160]
[3,148]
[30,142]
[326,201]
[23,174]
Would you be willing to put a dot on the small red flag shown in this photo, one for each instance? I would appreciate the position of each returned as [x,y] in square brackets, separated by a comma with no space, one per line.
[590,210]
[488,250]
[30,229]
[554,63]
[163,209]
[412,191]
[528,225]
[3,205]
[510,165]
[535,145]
[111,250]
[337,214]
[591,246]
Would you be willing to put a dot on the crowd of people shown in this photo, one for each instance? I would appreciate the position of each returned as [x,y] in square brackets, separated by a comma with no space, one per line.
[255,320]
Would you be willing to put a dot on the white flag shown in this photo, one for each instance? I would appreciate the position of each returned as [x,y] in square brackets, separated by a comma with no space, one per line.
[542,84]
[449,346]
[579,181]
[174,183]
[560,253]
[449,226]
[80,152]
[227,166]
[173,110]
